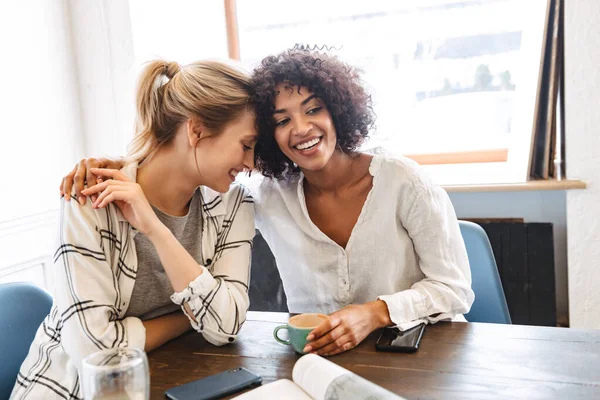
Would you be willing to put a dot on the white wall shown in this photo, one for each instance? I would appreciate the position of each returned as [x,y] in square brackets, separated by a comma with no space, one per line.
[39,110]
[103,54]
[582,79]
[543,206]
[39,96]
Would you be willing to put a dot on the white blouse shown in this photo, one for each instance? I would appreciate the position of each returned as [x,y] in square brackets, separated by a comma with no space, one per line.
[405,249]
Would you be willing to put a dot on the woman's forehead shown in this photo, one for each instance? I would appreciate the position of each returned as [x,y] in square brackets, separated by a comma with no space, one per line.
[286,93]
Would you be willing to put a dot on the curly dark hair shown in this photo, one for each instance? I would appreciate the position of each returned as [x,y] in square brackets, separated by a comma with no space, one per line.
[336,83]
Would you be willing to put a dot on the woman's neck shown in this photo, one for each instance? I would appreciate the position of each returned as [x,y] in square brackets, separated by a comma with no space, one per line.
[165,184]
[340,172]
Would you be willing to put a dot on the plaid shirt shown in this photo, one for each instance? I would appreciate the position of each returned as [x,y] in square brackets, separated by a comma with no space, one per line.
[96,267]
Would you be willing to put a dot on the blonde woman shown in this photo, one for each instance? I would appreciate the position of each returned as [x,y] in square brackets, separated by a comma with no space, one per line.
[165,245]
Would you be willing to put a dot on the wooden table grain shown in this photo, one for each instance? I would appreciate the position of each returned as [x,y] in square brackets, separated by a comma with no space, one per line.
[455,361]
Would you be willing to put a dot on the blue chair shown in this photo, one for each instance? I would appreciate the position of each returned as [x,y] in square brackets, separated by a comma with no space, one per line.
[23,307]
[490,303]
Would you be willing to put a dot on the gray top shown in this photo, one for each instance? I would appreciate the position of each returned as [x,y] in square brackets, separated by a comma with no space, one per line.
[152,290]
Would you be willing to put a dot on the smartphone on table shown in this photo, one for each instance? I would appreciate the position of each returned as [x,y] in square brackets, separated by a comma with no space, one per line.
[215,386]
[393,339]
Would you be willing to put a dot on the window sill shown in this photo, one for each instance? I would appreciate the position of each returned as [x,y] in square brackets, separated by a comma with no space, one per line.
[518,187]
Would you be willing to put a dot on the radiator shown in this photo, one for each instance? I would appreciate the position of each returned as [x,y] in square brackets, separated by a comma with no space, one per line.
[524,255]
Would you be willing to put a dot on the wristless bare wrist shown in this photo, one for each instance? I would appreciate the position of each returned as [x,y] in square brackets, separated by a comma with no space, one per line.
[158,232]
[380,313]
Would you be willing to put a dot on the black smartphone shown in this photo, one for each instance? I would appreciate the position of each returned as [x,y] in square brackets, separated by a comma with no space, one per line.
[215,386]
[392,339]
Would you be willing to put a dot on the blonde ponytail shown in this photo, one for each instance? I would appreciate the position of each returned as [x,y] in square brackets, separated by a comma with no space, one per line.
[169,94]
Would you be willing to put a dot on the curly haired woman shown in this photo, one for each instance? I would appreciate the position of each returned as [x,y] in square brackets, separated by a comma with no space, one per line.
[367,239]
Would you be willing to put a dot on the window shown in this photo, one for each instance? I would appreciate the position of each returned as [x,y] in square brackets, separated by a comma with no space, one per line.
[454,82]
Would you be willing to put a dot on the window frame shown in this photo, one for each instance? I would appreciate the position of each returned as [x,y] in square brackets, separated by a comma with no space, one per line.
[501,165]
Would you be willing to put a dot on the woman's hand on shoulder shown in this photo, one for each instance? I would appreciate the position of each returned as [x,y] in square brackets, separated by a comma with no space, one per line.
[128,196]
[81,175]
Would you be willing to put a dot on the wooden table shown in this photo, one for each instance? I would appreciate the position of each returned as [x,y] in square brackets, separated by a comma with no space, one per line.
[455,361]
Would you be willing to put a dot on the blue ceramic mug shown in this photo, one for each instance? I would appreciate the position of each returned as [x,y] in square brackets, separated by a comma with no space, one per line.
[298,327]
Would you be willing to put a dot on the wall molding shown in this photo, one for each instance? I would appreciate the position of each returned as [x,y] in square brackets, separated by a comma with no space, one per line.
[26,246]
[29,222]
[24,265]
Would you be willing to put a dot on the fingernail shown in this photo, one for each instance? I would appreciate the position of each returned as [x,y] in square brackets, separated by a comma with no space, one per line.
[81,200]
[307,349]
[310,337]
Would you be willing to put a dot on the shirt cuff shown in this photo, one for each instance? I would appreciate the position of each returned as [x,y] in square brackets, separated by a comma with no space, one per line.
[201,285]
[406,306]
[136,333]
